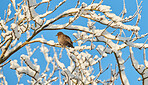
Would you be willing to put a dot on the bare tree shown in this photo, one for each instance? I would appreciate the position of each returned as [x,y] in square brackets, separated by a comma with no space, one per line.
[81,70]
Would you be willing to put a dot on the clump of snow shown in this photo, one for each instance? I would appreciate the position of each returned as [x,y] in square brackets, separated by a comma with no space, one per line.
[35,60]
[75,35]
[13,43]
[101,51]
[32,2]
[38,20]
[1,76]
[101,8]
[51,42]
[125,80]
[80,42]
[14,64]
[2,22]
[113,17]
[43,1]
[29,63]
[104,8]
[96,57]
[98,32]
[17,31]
[13,25]
[84,5]
[139,79]
[9,11]
[72,10]
[44,49]
[90,24]
[61,65]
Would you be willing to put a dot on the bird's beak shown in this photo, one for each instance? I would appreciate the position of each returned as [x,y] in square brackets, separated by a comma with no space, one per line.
[57,35]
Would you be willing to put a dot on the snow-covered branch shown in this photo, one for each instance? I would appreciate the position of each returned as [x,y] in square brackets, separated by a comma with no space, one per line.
[84,64]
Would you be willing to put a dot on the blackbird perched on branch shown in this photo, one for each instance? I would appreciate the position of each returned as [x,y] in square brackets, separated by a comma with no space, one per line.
[64,40]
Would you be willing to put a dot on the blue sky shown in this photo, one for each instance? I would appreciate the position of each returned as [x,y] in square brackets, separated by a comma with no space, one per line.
[116,6]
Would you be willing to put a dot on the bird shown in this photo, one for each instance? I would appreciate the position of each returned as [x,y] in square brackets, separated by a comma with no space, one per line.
[64,40]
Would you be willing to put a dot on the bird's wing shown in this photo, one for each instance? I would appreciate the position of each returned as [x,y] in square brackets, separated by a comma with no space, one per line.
[68,41]
[67,38]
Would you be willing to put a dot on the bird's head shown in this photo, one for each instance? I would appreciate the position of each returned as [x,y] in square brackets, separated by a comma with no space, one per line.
[59,33]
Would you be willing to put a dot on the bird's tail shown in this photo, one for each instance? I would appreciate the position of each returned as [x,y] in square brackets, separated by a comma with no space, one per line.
[70,46]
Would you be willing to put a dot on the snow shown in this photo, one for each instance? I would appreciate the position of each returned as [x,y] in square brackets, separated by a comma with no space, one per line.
[101,8]
[40,39]
[20,17]
[137,45]
[1,76]
[91,35]
[43,1]
[126,27]
[35,60]
[146,81]
[113,17]
[78,53]
[80,48]
[86,72]
[135,62]
[11,50]
[9,11]
[17,31]
[13,25]
[27,71]
[71,19]
[113,46]
[84,5]
[98,32]
[45,14]
[48,21]
[14,64]
[125,80]
[92,61]
[93,46]
[146,63]
[83,34]
[29,52]
[38,20]
[104,8]
[13,3]
[101,51]
[80,42]
[2,24]
[29,63]
[51,42]
[102,19]
[75,35]
[44,49]
[94,83]
[61,65]
[32,2]
[6,35]
[121,61]
[96,57]
[70,68]
[141,67]
[13,43]
[26,11]
[72,10]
